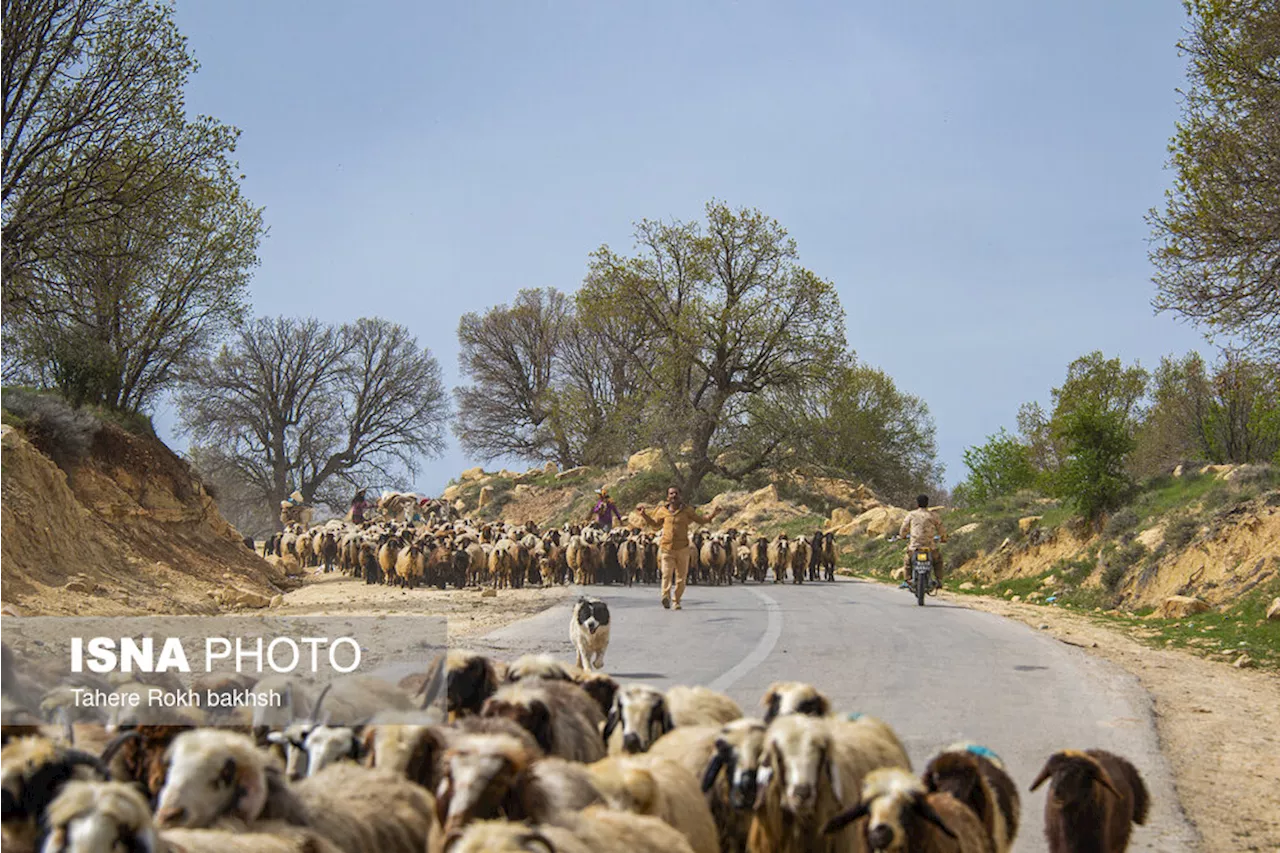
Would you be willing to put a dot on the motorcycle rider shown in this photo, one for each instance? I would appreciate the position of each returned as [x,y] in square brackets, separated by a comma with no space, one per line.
[922,526]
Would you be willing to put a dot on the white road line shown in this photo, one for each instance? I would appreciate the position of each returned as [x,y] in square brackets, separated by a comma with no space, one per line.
[763,648]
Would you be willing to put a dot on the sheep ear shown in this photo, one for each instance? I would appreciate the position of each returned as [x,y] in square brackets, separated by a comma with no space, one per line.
[612,722]
[712,771]
[845,818]
[1045,773]
[928,813]
[834,772]
[252,790]
[770,702]
[1105,781]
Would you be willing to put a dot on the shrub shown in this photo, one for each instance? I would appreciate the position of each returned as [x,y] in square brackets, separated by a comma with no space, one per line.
[1000,467]
[1120,561]
[1124,521]
[62,433]
[1180,532]
[1093,479]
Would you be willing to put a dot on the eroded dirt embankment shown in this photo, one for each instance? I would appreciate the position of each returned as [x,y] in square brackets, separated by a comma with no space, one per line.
[127,529]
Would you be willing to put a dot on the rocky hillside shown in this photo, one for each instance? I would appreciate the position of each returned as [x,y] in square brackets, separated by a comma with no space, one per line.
[118,525]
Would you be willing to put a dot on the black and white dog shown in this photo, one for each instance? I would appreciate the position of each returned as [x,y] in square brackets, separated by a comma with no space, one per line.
[589,631]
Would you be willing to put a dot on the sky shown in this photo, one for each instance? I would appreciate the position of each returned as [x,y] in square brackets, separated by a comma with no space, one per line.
[973,177]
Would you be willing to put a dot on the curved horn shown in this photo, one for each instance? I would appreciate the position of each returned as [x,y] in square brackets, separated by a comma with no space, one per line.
[712,771]
[109,751]
[315,709]
[845,818]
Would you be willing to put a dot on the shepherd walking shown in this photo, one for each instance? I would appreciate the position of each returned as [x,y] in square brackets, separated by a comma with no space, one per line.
[674,549]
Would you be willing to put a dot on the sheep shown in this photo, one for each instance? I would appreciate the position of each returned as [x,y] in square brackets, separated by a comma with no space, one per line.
[701,706]
[868,733]
[1094,797]
[215,774]
[599,686]
[828,555]
[779,551]
[138,756]
[537,666]
[411,565]
[501,836]
[644,716]
[982,784]
[417,751]
[728,766]
[800,554]
[794,697]
[470,679]
[502,564]
[601,828]
[488,775]
[650,785]
[560,715]
[806,774]
[902,815]
[583,559]
[100,817]
[32,772]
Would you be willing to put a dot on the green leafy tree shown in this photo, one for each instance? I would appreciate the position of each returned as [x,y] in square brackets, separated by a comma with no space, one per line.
[1001,466]
[728,314]
[1093,479]
[95,129]
[1217,251]
[858,426]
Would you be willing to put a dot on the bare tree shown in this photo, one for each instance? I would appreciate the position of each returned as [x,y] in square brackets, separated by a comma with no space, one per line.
[509,354]
[299,404]
[94,123]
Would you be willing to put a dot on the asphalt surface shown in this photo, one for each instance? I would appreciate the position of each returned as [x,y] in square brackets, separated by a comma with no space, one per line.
[938,674]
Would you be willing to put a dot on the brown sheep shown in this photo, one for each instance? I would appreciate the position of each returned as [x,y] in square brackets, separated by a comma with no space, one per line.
[901,815]
[650,785]
[471,678]
[1094,798]
[487,776]
[561,717]
[982,784]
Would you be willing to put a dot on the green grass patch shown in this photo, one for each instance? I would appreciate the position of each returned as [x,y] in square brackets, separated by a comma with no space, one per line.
[803,525]
[1240,629]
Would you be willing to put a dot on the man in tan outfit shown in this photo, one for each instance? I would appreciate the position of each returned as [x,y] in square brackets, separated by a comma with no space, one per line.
[674,549]
[922,526]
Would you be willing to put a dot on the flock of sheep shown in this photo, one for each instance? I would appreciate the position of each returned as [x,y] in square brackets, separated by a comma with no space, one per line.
[479,755]
[439,549]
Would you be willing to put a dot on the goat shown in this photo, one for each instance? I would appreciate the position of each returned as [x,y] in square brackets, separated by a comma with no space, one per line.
[1094,798]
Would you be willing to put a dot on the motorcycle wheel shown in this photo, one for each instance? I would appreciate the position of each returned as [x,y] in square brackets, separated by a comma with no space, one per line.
[920,591]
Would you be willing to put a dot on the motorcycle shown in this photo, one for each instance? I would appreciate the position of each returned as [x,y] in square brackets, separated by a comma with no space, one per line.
[922,582]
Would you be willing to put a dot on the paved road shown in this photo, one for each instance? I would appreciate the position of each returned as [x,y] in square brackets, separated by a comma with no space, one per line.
[938,674]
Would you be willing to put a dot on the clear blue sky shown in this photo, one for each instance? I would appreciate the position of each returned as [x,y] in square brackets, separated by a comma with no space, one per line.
[985,165]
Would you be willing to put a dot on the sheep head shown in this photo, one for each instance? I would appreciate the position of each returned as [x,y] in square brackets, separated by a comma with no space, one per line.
[212,773]
[99,817]
[1074,774]
[896,805]
[33,770]
[497,837]
[529,710]
[794,697]
[798,752]
[470,679]
[739,752]
[480,774]
[643,714]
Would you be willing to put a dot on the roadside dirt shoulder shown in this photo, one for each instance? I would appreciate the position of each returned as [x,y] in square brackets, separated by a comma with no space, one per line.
[469,614]
[1218,726]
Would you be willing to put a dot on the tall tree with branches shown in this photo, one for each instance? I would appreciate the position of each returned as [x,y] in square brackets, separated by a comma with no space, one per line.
[94,126]
[728,314]
[1217,250]
[299,404]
